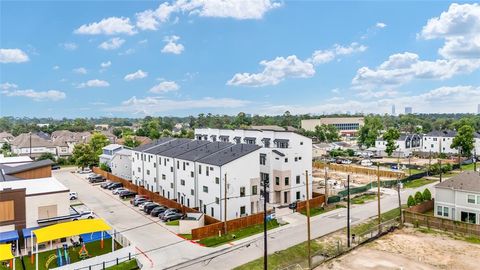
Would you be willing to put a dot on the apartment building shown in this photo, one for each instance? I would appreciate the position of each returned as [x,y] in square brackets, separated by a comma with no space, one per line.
[121,164]
[347,126]
[406,145]
[284,158]
[108,153]
[441,141]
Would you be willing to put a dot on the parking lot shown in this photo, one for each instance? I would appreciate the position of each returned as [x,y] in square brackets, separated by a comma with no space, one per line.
[158,245]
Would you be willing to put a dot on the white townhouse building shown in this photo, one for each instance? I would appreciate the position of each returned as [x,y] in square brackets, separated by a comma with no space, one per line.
[284,158]
[406,145]
[458,198]
[108,152]
[139,156]
[122,164]
[441,141]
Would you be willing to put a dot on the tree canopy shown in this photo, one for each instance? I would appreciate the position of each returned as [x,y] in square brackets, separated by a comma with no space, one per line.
[464,141]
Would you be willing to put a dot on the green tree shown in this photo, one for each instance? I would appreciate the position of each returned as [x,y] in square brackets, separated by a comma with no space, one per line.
[418,197]
[97,142]
[131,142]
[427,196]
[391,136]
[6,147]
[46,156]
[105,167]
[464,141]
[411,201]
[369,132]
[84,155]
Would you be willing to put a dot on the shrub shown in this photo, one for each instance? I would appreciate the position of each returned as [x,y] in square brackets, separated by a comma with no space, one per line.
[104,167]
[418,197]
[427,195]
[411,201]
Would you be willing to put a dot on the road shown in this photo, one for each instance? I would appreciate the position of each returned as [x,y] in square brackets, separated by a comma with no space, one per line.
[158,246]
[293,234]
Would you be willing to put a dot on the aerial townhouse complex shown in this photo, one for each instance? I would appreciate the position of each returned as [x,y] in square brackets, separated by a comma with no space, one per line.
[284,158]
[441,141]
[194,173]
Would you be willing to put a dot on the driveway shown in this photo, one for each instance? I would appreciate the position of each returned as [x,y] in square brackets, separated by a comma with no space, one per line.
[158,246]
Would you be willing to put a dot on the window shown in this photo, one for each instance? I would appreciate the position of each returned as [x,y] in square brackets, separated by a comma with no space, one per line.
[298,195]
[277,180]
[242,191]
[171,168]
[212,211]
[192,192]
[165,162]
[263,159]
[191,174]
[138,169]
[199,169]
[217,180]
[182,182]
[155,179]
[184,166]
[242,210]
[217,200]
[164,177]
[297,179]
[287,181]
[471,198]
[206,170]
[445,211]
[286,160]
[254,190]
[301,143]
[296,159]
[148,172]
[154,164]
[478,199]
[205,189]
[178,164]
[468,217]
[171,185]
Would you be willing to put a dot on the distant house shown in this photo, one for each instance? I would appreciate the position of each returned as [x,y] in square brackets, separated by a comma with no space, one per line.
[458,198]
[440,141]
[112,138]
[406,145]
[5,137]
[65,141]
[121,164]
[34,144]
[108,153]
[101,127]
[142,139]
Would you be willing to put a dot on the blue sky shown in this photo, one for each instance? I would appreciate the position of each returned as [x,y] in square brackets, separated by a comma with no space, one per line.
[136,58]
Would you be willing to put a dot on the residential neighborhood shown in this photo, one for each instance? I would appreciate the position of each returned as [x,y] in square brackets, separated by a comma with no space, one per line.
[259,134]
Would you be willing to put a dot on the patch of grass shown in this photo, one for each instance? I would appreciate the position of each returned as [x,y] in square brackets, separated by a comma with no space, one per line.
[473,239]
[239,234]
[417,183]
[372,223]
[314,211]
[128,265]
[469,167]
[363,198]
[186,236]
[413,171]
[173,223]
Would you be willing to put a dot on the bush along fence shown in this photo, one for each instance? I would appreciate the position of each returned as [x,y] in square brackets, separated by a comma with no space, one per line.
[414,215]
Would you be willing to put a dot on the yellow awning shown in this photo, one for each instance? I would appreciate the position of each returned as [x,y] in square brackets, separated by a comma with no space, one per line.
[6,252]
[69,229]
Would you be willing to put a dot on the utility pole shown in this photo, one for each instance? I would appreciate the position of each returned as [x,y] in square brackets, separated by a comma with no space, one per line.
[474,160]
[399,202]
[348,210]
[30,153]
[265,253]
[429,162]
[378,197]
[409,168]
[225,198]
[440,163]
[326,185]
[308,222]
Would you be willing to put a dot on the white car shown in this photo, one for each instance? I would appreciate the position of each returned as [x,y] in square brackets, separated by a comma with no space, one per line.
[366,163]
[73,195]
[118,190]
[85,215]
[84,171]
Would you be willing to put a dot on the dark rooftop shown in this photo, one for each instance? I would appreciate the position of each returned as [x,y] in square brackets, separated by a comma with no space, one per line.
[152,144]
[204,151]
[27,166]
[466,181]
[166,146]
[229,154]
[184,148]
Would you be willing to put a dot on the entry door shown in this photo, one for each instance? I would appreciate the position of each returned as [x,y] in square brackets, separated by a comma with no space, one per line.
[285,197]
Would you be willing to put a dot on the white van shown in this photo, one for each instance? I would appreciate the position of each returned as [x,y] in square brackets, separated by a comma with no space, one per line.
[366,163]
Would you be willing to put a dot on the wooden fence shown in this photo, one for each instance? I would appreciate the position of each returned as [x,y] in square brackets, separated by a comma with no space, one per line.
[413,215]
[358,170]
[232,225]
[317,200]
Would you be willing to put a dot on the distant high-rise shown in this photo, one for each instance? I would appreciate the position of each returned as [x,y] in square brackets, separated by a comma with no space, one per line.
[408,110]
[393,109]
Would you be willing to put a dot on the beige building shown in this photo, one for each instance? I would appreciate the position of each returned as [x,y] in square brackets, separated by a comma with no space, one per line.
[347,126]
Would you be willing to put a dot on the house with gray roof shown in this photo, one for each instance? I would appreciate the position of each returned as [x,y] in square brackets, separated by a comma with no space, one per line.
[406,144]
[458,198]
[32,144]
[440,141]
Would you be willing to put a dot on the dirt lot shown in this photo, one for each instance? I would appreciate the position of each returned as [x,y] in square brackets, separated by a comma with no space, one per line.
[410,249]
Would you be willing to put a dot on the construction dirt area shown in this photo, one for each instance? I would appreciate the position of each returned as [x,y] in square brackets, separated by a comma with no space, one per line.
[410,248]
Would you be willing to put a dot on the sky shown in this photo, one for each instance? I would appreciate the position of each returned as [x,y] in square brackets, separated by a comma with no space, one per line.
[185,57]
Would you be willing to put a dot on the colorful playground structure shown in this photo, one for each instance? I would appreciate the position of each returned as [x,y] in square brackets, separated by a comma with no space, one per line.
[6,255]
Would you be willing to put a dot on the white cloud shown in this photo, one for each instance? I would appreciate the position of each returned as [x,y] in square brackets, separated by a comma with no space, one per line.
[274,72]
[13,56]
[165,86]
[112,44]
[105,64]
[150,105]
[172,46]
[80,70]
[139,74]
[404,67]
[380,25]
[459,26]
[8,86]
[127,52]
[94,83]
[108,26]
[69,46]
[52,95]
[56,67]
[325,56]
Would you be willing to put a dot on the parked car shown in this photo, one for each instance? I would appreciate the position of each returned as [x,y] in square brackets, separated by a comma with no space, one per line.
[106,184]
[84,171]
[97,179]
[169,210]
[92,175]
[346,161]
[158,210]
[85,215]
[136,198]
[145,204]
[127,194]
[149,208]
[366,163]
[115,186]
[138,201]
[118,190]
[172,216]
[73,195]
[55,167]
